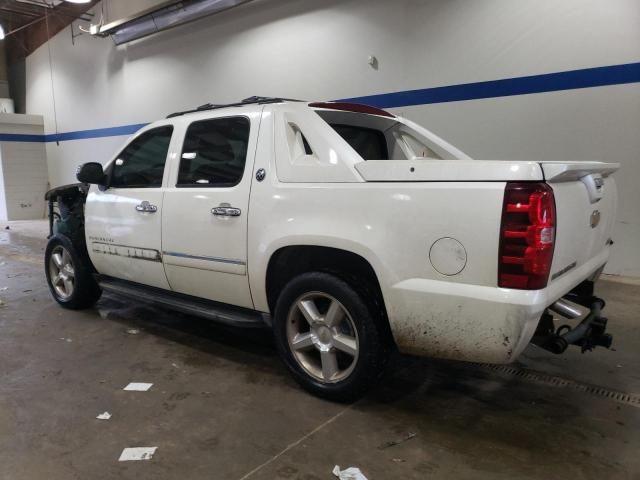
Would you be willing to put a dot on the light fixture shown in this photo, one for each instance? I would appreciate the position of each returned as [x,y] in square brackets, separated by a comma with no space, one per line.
[170,15]
[77,1]
[1,33]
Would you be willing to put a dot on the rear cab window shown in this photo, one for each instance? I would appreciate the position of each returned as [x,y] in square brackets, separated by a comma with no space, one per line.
[370,143]
[376,137]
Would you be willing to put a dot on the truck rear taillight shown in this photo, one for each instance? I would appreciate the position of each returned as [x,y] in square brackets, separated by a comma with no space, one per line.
[527,236]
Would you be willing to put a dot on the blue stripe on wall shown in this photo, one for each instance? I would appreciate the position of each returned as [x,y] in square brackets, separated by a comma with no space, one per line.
[20,137]
[97,133]
[548,82]
[78,135]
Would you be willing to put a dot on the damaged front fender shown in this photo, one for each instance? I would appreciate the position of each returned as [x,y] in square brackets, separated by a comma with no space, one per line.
[66,210]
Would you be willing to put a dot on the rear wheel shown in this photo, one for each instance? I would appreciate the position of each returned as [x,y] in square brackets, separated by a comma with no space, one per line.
[327,335]
[69,275]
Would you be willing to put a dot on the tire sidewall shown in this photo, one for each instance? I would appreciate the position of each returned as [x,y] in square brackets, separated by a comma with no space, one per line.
[85,291]
[370,352]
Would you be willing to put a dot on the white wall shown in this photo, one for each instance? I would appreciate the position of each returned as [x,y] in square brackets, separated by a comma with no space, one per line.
[319,50]
[23,169]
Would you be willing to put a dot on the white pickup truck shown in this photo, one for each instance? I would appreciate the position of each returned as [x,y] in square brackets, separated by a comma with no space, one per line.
[348,230]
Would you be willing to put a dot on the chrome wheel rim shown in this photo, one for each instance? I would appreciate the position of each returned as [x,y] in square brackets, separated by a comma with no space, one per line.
[62,273]
[322,337]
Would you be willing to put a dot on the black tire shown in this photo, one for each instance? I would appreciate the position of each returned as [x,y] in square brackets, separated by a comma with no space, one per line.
[361,314]
[85,292]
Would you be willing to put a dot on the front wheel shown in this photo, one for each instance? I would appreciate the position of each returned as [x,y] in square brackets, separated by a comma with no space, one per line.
[69,275]
[327,335]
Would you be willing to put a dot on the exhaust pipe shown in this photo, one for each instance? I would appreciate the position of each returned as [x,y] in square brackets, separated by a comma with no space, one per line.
[567,309]
[588,334]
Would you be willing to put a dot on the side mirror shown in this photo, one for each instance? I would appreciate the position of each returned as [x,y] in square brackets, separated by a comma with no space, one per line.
[91,173]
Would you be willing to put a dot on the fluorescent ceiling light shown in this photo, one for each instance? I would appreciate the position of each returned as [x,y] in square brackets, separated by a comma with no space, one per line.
[1,33]
[77,1]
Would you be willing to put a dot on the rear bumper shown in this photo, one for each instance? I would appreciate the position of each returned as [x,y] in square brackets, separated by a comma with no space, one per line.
[474,323]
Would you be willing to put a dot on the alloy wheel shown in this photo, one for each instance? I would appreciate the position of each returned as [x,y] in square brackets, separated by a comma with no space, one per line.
[62,272]
[322,337]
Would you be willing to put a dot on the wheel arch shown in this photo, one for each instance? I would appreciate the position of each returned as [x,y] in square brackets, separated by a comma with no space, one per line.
[290,261]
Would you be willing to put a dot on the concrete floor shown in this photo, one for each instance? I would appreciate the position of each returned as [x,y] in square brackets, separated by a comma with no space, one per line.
[223,407]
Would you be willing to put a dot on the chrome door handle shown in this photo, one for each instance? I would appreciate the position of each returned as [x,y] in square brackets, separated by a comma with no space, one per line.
[146,207]
[226,211]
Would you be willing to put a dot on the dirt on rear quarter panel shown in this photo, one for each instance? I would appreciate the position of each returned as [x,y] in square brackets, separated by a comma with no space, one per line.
[459,334]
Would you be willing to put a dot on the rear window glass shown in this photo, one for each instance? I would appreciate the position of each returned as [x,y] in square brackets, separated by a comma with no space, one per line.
[369,143]
[376,137]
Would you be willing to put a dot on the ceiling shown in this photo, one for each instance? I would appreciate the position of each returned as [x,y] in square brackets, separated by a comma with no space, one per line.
[30,23]
[17,13]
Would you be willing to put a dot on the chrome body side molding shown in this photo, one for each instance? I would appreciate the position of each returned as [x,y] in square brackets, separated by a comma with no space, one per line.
[202,257]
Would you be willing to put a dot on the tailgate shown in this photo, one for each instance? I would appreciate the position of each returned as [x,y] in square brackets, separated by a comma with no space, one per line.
[585,195]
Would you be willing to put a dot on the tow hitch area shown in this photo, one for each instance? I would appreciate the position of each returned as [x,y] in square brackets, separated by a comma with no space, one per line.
[587,334]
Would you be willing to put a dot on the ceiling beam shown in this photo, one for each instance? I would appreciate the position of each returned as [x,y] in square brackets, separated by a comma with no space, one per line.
[23,42]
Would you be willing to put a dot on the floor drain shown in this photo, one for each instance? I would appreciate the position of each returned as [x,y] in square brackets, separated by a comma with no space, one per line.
[551,380]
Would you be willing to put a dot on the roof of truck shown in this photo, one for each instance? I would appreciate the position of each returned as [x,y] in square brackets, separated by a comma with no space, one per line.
[256,100]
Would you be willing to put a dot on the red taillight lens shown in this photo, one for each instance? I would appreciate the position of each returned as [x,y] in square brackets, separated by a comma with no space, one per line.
[527,236]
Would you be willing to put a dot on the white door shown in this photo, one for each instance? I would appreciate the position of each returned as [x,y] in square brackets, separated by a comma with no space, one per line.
[205,209]
[124,220]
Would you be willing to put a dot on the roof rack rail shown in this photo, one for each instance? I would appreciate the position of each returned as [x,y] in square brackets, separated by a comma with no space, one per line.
[247,101]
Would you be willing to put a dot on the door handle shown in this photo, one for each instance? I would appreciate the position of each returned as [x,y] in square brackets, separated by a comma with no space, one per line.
[146,207]
[226,210]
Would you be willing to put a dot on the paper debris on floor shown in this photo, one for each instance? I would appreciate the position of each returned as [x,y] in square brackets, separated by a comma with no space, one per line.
[137,453]
[351,473]
[104,416]
[138,387]
[133,331]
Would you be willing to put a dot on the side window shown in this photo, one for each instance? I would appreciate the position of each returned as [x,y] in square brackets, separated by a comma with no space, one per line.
[141,163]
[214,153]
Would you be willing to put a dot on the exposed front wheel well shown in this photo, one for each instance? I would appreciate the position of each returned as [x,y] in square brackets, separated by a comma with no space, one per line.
[289,262]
